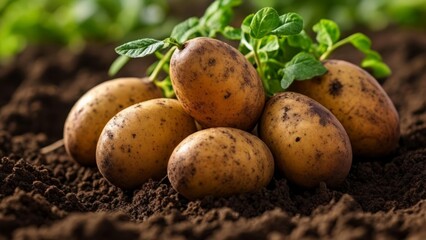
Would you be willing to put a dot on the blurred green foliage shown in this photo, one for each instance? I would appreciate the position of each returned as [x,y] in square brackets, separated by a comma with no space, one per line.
[372,14]
[74,22]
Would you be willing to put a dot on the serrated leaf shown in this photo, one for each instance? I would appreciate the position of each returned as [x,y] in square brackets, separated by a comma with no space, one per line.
[301,67]
[290,24]
[327,32]
[181,32]
[263,22]
[140,48]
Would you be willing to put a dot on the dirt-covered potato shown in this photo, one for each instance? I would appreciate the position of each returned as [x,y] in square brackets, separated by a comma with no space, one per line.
[216,84]
[92,111]
[136,143]
[220,162]
[308,143]
[360,104]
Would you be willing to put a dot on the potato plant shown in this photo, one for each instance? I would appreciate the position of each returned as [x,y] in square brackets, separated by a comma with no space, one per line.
[224,89]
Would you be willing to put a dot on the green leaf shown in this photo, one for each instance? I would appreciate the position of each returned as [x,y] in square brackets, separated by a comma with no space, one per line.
[218,21]
[372,59]
[290,24]
[117,65]
[327,32]
[140,48]
[271,44]
[302,41]
[182,31]
[231,33]
[361,42]
[219,5]
[245,25]
[374,62]
[303,66]
[263,22]
[217,16]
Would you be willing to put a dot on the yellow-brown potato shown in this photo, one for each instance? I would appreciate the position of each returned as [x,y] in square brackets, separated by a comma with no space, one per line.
[217,86]
[136,144]
[360,104]
[220,162]
[308,143]
[92,111]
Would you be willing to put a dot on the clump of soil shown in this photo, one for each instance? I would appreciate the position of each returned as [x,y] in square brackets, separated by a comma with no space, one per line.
[48,196]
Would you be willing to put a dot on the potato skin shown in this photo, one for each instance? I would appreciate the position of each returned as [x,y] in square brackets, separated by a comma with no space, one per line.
[308,143]
[136,144]
[217,86]
[360,104]
[92,111]
[220,162]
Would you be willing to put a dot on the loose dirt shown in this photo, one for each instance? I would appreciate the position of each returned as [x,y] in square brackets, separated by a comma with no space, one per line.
[48,196]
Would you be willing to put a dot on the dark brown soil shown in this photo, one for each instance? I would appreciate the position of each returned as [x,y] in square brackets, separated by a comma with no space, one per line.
[51,197]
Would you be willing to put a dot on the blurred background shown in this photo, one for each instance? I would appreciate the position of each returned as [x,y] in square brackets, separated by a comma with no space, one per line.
[74,23]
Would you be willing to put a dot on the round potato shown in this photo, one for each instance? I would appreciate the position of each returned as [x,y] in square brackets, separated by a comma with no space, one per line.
[217,86]
[308,143]
[136,144]
[220,162]
[92,111]
[360,104]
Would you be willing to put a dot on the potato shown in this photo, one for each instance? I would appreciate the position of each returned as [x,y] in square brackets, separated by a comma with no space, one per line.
[136,144]
[220,162]
[217,86]
[92,111]
[360,104]
[308,143]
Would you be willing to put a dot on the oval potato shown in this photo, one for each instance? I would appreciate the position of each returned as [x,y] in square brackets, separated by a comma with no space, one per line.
[360,104]
[220,162]
[136,144]
[308,143]
[92,111]
[217,86]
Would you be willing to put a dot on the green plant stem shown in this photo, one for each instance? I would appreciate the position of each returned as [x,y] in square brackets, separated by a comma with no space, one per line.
[259,65]
[249,55]
[154,75]
[334,47]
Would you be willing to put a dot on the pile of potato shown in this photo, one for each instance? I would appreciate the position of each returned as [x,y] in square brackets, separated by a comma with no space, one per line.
[204,140]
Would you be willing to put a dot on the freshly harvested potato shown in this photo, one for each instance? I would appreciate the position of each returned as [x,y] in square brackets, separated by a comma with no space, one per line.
[360,104]
[92,111]
[220,162]
[136,144]
[308,143]
[217,86]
